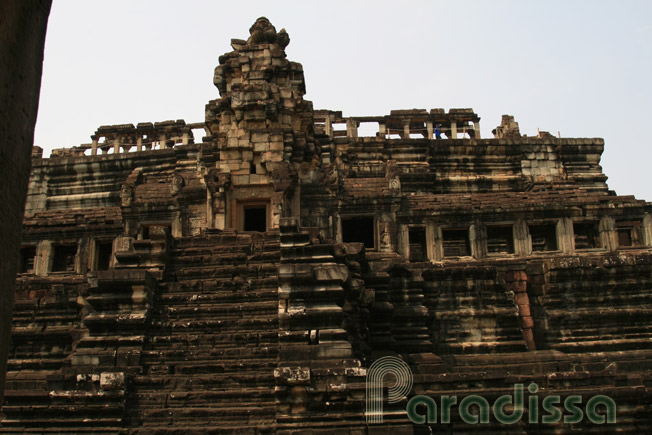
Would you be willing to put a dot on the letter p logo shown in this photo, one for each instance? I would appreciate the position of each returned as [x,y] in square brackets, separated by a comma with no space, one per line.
[387,365]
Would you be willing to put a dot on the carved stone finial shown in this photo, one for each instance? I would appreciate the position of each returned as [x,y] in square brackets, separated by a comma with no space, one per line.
[262,31]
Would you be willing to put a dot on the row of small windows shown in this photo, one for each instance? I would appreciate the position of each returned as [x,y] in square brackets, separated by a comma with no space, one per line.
[455,242]
[500,239]
[63,258]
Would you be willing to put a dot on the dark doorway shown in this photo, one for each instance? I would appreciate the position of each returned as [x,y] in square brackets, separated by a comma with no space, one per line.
[418,250]
[360,230]
[104,253]
[255,218]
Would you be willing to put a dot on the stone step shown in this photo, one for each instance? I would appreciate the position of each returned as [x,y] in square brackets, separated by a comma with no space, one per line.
[208,339]
[242,358]
[204,381]
[228,361]
[229,287]
[246,323]
[41,363]
[198,306]
[227,272]
[198,296]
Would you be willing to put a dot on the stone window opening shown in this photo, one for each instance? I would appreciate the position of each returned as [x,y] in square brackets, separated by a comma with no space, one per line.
[586,235]
[103,255]
[154,231]
[368,129]
[418,246]
[27,257]
[456,242]
[500,239]
[544,237]
[64,258]
[629,233]
[359,229]
[253,216]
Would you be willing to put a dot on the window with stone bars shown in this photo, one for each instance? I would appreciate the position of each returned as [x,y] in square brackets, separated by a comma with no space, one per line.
[587,235]
[500,239]
[27,256]
[456,242]
[544,237]
[629,233]
[64,258]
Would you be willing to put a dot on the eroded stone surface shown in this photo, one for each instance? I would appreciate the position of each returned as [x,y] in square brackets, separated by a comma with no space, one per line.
[247,280]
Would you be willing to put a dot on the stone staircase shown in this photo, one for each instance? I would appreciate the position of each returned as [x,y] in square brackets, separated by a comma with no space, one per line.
[45,324]
[208,363]
[595,304]
[471,311]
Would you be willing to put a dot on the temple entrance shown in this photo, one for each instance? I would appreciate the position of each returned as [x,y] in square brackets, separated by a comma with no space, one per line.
[359,229]
[253,216]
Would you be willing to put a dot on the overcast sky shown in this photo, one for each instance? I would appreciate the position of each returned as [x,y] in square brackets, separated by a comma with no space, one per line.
[581,68]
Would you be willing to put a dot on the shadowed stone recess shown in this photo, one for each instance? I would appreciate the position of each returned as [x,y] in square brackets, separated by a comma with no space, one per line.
[22,39]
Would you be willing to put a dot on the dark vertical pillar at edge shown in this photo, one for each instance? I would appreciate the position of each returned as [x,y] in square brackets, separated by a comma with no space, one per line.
[22,41]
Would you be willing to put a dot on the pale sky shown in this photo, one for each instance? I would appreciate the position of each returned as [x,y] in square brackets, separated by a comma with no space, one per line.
[582,68]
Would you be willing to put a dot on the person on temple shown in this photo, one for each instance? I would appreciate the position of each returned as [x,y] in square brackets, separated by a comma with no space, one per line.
[437,132]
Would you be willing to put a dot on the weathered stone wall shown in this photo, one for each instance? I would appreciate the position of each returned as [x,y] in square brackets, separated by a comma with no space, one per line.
[22,39]
[148,302]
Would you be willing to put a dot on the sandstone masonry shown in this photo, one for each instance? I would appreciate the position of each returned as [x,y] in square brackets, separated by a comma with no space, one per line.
[242,273]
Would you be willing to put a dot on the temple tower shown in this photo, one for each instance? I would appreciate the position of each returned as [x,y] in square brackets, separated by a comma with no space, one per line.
[263,129]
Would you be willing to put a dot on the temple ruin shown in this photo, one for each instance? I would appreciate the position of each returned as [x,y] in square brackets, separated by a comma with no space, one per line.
[242,273]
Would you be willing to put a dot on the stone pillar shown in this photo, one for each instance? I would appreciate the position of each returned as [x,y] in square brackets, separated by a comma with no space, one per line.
[185,139]
[476,129]
[162,141]
[521,238]
[565,235]
[328,126]
[403,248]
[453,130]
[406,129]
[116,145]
[139,143]
[382,130]
[43,258]
[338,229]
[608,233]
[438,244]
[431,248]
[431,129]
[647,229]
[351,128]
[94,147]
[475,240]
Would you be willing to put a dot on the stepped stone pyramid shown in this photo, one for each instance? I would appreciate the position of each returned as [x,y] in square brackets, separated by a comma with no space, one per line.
[245,281]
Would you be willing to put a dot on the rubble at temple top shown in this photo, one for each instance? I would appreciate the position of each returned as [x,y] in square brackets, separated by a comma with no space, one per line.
[261,89]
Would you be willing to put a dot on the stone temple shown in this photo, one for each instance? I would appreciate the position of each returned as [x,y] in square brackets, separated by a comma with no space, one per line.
[241,274]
